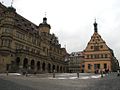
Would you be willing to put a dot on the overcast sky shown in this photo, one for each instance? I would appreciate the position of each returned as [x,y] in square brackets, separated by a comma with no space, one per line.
[72,20]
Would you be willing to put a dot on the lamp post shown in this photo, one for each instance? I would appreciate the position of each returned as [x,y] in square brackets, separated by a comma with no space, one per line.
[27,70]
[77,74]
[20,69]
[54,73]
[101,72]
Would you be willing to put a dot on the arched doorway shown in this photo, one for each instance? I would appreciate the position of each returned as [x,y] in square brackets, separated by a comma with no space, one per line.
[61,69]
[53,68]
[49,67]
[43,66]
[38,65]
[32,64]
[57,68]
[25,63]
[17,61]
[82,71]
[17,64]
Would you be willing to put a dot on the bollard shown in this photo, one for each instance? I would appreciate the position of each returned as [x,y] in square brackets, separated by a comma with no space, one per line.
[53,73]
[102,74]
[77,74]
[26,74]
[7,73]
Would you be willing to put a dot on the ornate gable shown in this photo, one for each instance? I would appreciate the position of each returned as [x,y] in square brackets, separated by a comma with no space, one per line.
[97,55]
[96,42]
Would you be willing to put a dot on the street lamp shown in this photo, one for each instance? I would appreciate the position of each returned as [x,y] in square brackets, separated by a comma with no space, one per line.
[20,69]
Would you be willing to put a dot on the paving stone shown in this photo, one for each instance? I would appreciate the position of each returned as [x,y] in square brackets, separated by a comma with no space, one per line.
[108,82]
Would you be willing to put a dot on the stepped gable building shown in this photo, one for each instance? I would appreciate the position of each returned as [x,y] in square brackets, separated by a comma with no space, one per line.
[97,55]
[25,46]
[75,58]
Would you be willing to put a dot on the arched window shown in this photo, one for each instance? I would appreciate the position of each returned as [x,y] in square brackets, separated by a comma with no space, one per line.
[32,64]
[43,66]
[57,68]
[49,67]
[38,65]
[17,61]
[25,63]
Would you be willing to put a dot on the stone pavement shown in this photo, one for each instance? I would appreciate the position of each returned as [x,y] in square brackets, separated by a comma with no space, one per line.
[58,75]
[108,82]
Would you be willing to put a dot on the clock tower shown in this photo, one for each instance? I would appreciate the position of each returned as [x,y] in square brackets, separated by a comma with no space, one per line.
[44,26]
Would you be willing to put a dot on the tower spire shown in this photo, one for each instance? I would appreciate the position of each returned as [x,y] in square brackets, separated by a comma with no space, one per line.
[45,14]
[95,26]
[2,2]
[45,19]
[11,3]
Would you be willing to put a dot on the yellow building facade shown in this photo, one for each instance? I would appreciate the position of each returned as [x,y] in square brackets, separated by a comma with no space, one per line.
[97,55]
[25,46]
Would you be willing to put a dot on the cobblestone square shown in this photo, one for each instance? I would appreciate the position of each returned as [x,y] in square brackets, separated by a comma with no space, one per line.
[46,82]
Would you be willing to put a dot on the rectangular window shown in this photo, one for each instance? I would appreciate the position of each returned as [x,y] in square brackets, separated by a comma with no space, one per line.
[96,48]
[38,52]
[6,30]
[20,35]
[83,66]
[33,50]
[106,55]
[44,49]
[91,56]
[95,66]
[89,66]
[105,65]
[16,45]
[6,42]
[19,46]
[34,40]
[95,56]
[27,48]
[98,66]
[87,56]
[101,55]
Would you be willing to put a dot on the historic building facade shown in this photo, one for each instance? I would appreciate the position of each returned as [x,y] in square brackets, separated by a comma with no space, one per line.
[25,46]
[75,58]
[98,56]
